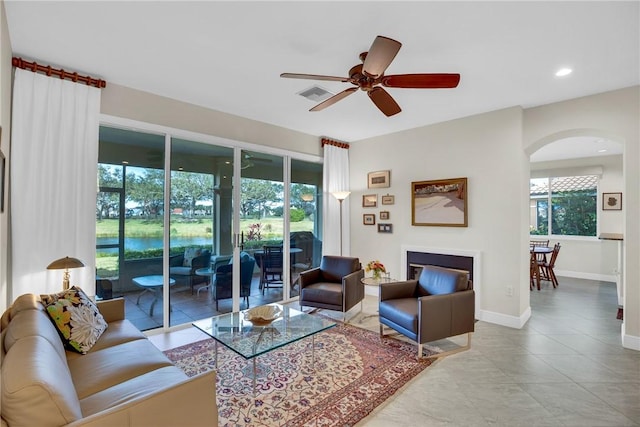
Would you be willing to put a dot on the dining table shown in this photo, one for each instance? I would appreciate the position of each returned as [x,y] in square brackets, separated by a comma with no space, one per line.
[537,252]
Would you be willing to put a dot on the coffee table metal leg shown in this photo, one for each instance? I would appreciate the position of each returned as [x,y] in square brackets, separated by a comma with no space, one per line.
[254,376]
[215,353]
[313,352]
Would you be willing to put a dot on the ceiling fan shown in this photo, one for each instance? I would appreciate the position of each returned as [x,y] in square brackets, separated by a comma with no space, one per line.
[369,77]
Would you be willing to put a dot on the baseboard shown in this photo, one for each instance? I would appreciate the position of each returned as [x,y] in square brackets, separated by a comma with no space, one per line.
[505,319]
[630,341]
[587,276]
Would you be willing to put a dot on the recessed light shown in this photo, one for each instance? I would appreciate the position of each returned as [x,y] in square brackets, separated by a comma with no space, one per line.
[602,150]
[563,72]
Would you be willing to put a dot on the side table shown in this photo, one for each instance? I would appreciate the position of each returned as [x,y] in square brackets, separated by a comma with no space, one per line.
[370,281]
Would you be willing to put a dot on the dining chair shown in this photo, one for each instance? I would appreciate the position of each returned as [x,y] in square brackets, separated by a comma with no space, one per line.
[546,268]
[541,257]
[271,270]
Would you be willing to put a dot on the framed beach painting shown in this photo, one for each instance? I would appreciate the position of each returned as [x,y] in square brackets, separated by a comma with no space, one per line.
[441,202]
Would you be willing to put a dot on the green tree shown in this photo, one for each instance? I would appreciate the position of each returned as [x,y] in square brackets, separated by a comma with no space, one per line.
[109,176]
[574,213]
[256,196]
[187,188]
[297,201]
[146,189]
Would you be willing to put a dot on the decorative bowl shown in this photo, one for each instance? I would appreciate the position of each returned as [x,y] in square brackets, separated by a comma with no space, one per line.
[263,314]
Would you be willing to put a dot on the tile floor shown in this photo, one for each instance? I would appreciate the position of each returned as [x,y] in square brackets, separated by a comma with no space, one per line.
[565,367]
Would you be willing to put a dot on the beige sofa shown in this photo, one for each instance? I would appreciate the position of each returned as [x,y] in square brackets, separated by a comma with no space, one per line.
[124,380]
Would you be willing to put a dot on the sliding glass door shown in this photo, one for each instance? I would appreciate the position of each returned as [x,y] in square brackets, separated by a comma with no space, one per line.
[188,228]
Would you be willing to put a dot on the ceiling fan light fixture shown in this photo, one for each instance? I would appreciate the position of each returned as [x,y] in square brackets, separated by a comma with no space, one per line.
[562,72]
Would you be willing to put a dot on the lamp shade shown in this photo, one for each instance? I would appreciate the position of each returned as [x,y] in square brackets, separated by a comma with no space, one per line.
[340,195]
[66,262]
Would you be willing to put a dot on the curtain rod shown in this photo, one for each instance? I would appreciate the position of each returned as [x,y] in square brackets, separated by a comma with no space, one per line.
[75,77]
[327,141]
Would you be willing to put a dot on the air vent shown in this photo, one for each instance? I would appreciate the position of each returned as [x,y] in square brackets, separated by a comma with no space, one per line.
[316,94]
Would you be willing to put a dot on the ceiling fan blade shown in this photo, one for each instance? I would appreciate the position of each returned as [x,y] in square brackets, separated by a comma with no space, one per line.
[384,101]
[335,98]
[380,55]
[314,77]
[421,81]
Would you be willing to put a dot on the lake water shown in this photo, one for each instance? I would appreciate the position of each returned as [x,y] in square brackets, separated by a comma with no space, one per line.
[142,243]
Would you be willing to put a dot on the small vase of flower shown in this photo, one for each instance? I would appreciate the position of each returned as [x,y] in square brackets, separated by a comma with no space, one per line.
[377,268]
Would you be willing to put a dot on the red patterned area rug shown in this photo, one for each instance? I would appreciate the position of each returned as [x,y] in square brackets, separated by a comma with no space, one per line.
[355,371]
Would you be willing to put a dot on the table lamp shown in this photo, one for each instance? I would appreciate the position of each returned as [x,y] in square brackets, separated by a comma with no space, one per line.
[65,263]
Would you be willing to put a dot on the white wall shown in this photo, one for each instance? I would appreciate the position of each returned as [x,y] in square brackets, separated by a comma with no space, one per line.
[487,150]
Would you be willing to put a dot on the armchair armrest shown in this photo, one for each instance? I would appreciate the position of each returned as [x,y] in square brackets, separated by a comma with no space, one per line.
[111,309]
[309,277]
[447,315]
[395,290]
[353,288]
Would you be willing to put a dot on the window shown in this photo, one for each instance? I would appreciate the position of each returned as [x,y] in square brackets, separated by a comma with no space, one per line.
[565,206]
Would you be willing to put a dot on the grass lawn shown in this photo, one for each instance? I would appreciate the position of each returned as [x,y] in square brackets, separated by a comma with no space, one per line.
[272,229]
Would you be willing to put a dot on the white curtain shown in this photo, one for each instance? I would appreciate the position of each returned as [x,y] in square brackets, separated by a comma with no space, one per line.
[54,156]
[335,178]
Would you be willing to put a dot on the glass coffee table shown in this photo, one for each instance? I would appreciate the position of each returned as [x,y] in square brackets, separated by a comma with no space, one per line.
[251,340]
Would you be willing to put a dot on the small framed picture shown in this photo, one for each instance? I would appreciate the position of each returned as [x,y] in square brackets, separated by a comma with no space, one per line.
[380,179]
[384,215]
[388,199]
[369,200]
[385,228]
[611,201]
[369,219]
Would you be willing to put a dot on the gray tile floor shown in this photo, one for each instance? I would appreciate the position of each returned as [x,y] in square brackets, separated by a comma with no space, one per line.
[565,367]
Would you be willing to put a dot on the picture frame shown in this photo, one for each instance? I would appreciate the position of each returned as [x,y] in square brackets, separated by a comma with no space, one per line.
[385,228]
[369,200]
[379,179]
[384,215]
[368,219]
[388,199]
[611,201]
[441,202]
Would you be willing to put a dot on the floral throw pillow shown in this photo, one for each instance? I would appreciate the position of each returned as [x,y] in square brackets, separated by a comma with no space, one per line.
[77,318]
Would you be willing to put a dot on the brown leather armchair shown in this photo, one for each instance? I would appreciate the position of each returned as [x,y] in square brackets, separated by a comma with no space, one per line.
[440,304]
[335,285]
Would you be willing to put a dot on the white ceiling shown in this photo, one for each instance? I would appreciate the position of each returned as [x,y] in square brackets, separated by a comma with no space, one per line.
[228,56]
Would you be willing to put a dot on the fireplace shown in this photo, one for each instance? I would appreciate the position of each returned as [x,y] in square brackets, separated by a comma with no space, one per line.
[414,257]
[415,261]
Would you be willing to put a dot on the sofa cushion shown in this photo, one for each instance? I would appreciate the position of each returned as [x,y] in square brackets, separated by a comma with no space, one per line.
[439,280]
[142,385]
[102,369]
[77,318]
[29,323]
[119,332]
[36,386]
